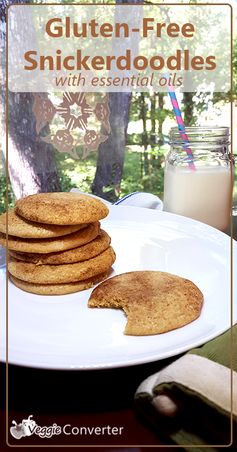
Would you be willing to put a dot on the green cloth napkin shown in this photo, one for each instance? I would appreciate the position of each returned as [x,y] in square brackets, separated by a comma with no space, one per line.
[189,402]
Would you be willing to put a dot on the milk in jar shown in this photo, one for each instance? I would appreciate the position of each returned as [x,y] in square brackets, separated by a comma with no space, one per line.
[201,191]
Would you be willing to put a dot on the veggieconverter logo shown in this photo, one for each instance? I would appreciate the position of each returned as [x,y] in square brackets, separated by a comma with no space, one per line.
[29,427]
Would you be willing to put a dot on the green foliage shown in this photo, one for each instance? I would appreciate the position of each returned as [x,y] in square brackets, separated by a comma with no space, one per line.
[76,173]
[221,97]
[235,68]
[3,194]
[80,174]
[131,180]
[153,183]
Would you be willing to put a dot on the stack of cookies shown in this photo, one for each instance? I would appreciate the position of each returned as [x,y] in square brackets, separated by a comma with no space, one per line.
[55,243]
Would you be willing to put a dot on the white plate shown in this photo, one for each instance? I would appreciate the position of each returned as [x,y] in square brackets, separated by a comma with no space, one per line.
[60,332]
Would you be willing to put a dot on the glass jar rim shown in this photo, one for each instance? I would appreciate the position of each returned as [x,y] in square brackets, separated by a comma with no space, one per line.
[200,136]
[207,131]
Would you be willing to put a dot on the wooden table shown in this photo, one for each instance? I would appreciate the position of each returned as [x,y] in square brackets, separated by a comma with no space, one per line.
[80,398]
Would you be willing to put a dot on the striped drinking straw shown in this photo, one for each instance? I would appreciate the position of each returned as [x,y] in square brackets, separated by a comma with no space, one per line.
[181,126]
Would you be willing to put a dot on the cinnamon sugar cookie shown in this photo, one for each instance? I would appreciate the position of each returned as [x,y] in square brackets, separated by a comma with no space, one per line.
[81,253]
[56,274]
[45,246]
[21,227]
[61,208]
[59,289]
[154,302]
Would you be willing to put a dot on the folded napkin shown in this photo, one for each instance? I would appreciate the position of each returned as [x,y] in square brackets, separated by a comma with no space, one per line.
[190,401]
[136,199]
[2,257]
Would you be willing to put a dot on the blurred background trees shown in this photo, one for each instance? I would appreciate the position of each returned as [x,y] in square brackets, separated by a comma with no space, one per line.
[31,162]
[131,159]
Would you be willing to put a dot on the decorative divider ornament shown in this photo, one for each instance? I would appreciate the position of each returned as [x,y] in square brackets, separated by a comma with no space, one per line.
[77,121]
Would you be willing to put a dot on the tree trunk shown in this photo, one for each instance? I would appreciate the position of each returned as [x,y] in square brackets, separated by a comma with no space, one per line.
[144,134]
[110,159]
[188,109]
[161,118]
[111,153]
[31,162]
[153,118]
[153,115]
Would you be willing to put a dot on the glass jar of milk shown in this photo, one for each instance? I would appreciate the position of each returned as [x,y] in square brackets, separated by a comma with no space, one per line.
[200,188]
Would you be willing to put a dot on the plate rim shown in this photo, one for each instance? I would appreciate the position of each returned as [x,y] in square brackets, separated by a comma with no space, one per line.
[184,221]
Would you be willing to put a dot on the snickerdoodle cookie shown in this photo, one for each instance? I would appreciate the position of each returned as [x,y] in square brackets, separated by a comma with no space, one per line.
[52,245]
[61,208]
[154,302]
[59,289]
[81,253]
[21,227]
[56,274]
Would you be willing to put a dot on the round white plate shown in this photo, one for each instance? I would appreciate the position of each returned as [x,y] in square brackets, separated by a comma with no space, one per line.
[61,332]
